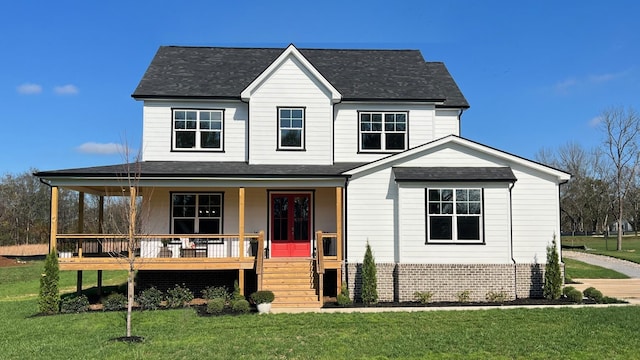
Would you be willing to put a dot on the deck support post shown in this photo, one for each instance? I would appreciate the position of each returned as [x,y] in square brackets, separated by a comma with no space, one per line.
[99,284]
[241,281]
[79,283]
[54,219]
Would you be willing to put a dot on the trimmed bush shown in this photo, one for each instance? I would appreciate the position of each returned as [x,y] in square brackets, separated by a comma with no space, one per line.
[150,299]
[262,297]
[179,296]
[496,296]
[369,278]
[593,294]
[573,294]
[423,297]
[114,302]
[74,304]
[343,299]
[464,296]
[236,292]
[216,292]
[552,275]
[216,306]
[49,296]
[241,306]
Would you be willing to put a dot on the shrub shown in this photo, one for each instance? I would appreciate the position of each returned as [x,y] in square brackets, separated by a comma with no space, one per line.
[343,299]
[237,295]
[240,306]
[499,296]
[216,306]
[593,294]
[262,297]
[423,297]
[49,296]
[369,278]
[74,304]
[216,292]
[552,275]
[114,302]
[464,296]
[610,300]
[150,299]
[179,296]
[573,294]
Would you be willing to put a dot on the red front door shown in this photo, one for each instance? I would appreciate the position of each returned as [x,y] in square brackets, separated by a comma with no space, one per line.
[290,225]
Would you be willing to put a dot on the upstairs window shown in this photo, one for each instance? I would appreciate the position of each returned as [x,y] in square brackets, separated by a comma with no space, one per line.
[383,131]
[198,130]
[454,215]
[290,128]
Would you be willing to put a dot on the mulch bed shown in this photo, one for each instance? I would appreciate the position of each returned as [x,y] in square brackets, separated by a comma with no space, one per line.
[414,304]
[6,262]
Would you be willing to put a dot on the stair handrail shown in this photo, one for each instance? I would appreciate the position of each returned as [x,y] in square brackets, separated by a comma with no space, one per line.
[320,264]
[260,258]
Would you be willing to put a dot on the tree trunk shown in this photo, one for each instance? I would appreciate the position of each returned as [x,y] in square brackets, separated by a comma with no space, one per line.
[620,213]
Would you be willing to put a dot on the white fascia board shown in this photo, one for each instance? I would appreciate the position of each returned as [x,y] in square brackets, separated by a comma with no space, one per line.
[290,51]
[560,175]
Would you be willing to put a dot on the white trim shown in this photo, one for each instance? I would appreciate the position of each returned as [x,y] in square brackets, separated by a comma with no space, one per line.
[453,139]
[290,51]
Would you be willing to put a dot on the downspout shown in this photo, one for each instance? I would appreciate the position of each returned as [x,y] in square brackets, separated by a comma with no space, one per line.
[460,122]
[513,260]
[344,234]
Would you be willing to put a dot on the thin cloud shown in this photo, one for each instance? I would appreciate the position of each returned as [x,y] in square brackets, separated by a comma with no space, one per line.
[595,121]
[29,89]
[66,90]
[101,148]
[565,86]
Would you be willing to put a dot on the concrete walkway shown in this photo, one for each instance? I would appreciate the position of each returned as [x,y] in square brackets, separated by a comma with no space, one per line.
[627,289]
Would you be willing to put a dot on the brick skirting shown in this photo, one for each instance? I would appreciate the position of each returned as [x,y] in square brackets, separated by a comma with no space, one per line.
[398,282]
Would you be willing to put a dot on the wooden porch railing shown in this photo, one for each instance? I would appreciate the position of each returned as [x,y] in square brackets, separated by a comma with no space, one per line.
[320,259]
[149,245]
[260,258]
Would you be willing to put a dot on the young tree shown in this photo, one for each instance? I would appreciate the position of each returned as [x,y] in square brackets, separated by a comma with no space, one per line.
[49,297]
[552,275]
[621,129]
[369,278]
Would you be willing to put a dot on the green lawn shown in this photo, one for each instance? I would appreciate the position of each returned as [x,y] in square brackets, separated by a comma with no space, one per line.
[585,333]
[599,245]
[575,269]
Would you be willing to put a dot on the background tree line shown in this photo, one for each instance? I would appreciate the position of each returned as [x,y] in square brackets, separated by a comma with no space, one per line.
[25,204]
[604,189]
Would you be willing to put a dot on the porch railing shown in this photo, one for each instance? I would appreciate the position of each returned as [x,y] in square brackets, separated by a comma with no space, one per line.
[151,245]
[323,241]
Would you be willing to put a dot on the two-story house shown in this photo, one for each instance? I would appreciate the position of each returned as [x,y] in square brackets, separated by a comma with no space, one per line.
[275,168]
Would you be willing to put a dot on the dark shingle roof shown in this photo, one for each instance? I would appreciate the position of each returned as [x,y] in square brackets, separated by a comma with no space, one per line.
[454,174]
[203,169]
[215,72]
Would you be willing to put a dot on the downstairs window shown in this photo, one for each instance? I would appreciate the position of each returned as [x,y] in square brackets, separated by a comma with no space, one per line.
[454,216]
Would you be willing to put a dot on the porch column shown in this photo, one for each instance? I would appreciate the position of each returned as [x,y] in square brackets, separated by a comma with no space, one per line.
[241,236]
[339,221]
[100,229]
[80,231]
[54,219]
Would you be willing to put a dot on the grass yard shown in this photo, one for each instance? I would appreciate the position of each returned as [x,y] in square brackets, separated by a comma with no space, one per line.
[568,333]
[575,269]
[599,245]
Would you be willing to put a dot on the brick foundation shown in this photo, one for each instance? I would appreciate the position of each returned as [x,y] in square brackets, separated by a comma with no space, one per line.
[398,282]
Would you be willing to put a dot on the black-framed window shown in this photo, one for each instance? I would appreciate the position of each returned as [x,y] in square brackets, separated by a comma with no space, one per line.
[198,130]
[196,213]
[291,128]
[382,131]
[454,215]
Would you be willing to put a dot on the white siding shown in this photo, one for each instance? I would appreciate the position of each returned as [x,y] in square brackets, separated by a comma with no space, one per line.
[290,86]
[424,125]
[393,218]
[157,131]
[495,250]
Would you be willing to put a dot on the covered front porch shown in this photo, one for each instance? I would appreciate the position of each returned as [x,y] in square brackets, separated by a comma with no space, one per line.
[165,232]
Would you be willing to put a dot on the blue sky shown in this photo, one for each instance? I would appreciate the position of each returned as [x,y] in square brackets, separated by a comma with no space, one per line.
[536,73]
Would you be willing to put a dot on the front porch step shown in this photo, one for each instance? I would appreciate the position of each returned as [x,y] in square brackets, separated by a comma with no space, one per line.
[292,283]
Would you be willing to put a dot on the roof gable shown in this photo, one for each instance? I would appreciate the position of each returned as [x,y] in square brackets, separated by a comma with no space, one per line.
[358,75]
[290,52]
[391,160]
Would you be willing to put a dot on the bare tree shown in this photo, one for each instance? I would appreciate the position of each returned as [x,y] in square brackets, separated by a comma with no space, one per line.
[621,128]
